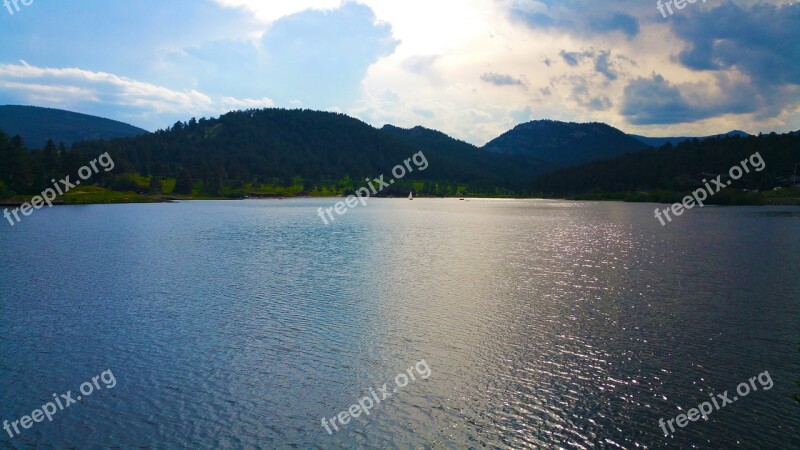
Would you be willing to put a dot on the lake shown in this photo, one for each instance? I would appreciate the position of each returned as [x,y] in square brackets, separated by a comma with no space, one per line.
[242,324]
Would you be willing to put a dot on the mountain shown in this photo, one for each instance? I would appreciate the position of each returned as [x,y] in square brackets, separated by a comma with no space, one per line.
[323,149]
[668,174]
[659,141]
[733,133]
[425,137]
[564,144]
[274,152]
[463,156]
[36,125]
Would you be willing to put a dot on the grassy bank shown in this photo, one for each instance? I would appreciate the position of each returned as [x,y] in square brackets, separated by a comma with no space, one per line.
[140,189]
[727,197]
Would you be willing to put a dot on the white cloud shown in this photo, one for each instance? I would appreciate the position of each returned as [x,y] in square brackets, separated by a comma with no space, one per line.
[497,43]
[272,10]
[472,68]
[246,103]
[81,90]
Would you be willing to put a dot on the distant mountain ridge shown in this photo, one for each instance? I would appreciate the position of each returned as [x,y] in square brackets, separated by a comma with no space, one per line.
[36,125]
[564,143]
[421,134]
[304,152]
[666,174]
[659,141]
[464,156]
[322,148]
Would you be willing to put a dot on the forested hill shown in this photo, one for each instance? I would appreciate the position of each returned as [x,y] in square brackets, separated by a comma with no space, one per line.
[425,137]
[257,146]
[659,141]
[466,158]
[643,175]
[36,125]
[564,144]
[276,152]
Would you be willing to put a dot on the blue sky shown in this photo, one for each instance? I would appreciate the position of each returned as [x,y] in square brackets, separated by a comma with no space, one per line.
[471,68]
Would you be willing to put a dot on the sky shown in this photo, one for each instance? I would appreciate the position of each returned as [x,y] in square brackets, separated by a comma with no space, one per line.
[470,68]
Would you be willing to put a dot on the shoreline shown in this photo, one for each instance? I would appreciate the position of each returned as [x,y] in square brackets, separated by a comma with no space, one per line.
[139,199]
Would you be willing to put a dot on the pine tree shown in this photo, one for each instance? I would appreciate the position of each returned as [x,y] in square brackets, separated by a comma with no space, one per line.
[184,183]
[155,186]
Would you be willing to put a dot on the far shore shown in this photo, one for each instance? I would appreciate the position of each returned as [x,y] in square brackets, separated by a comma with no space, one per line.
[133,198]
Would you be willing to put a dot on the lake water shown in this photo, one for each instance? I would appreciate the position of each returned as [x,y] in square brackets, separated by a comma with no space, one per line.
[242,324]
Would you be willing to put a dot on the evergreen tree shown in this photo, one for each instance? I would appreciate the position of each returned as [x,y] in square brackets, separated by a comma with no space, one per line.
[184,183]
[156,186]
[212,185]
[51,159]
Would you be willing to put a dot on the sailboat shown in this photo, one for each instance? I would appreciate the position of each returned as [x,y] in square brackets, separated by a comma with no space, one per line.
[411,195]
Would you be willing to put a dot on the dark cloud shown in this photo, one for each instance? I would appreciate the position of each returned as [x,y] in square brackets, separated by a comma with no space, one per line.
[601,103]
[574,16]
[625,23]
[583,95]
[572,58]
[761,41]
[602,63]
[499,79]
[655,101]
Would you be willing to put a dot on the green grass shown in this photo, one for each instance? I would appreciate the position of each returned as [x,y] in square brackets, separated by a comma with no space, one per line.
[727,197]
[94,194]
[786,196]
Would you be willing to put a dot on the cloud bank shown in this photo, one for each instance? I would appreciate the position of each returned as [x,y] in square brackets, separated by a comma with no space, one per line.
[473,71]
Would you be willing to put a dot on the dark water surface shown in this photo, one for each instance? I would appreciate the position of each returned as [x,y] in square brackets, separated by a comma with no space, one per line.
[544,324]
